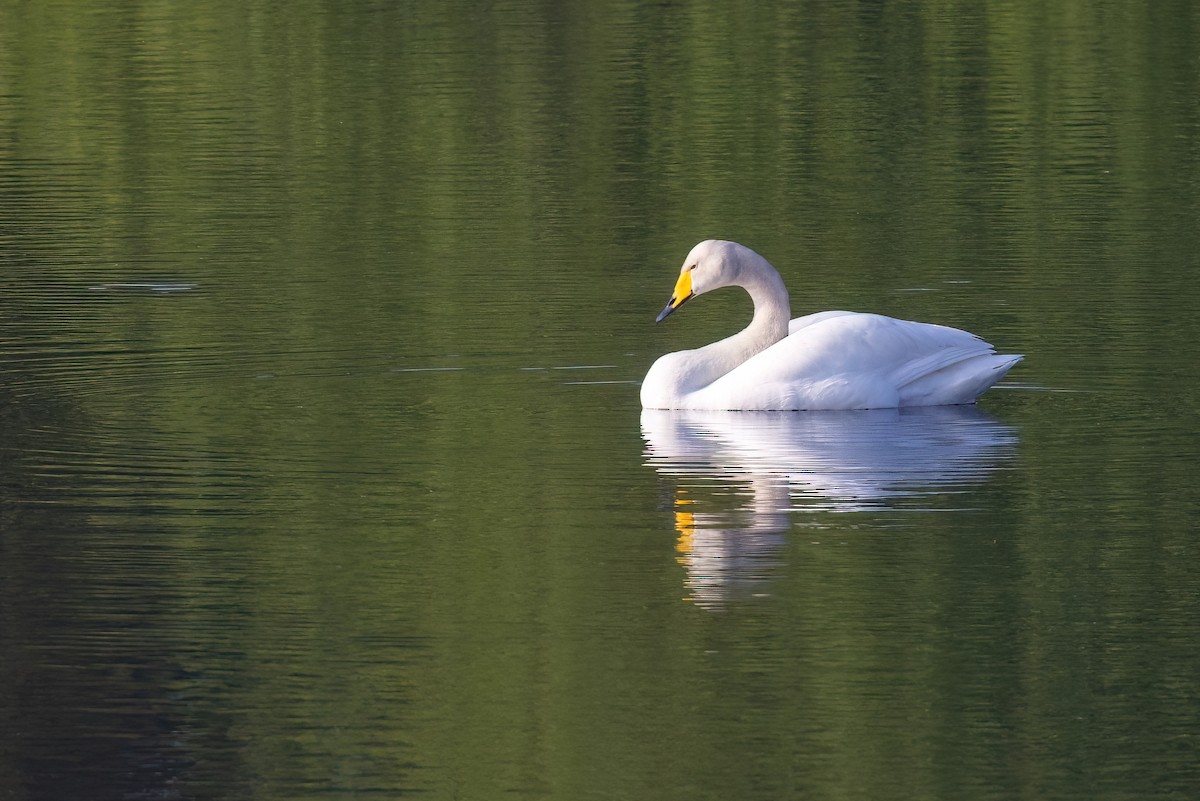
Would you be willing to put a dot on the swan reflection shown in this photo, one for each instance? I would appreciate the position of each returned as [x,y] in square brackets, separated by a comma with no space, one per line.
[762,468]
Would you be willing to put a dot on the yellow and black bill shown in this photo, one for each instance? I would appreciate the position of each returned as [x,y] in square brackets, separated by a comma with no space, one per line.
[682,294]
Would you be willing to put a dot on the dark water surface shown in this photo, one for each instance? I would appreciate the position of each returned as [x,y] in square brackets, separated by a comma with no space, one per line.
[322,467]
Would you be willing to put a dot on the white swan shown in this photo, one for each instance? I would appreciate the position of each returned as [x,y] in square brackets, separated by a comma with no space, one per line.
[828,360]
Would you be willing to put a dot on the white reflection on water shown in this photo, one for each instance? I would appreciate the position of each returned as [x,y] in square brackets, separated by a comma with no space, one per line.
[784,463]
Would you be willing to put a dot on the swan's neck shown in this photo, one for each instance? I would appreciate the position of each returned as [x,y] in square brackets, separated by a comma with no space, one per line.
[772,308]
[772,311]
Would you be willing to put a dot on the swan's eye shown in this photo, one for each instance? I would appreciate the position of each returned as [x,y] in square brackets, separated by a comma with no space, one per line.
[691,267]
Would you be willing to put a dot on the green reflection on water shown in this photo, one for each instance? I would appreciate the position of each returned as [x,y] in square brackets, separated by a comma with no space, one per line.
[315,524]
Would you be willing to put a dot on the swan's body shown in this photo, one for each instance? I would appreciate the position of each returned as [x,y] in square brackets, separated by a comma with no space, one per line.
[828,360]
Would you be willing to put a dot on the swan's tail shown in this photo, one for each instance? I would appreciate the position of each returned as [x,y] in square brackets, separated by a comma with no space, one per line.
[953,376]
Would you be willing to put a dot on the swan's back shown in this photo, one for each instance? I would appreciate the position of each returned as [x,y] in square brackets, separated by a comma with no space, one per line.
[847,360]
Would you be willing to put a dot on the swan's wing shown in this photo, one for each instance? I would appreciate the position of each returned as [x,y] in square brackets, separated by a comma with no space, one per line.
[833,343]
[844,360]
[956,378]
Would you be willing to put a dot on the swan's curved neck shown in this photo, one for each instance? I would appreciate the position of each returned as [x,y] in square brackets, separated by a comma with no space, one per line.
[772,307]
[772,311]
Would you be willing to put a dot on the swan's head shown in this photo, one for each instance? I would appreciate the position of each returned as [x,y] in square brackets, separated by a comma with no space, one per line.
[712,264]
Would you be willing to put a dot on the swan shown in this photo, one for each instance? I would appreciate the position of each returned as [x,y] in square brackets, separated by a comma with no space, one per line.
[827,360]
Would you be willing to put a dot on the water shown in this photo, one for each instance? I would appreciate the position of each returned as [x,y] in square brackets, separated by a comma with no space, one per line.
[322,468]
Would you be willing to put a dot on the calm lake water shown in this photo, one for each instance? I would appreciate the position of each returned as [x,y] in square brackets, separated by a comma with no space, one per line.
[323,471]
